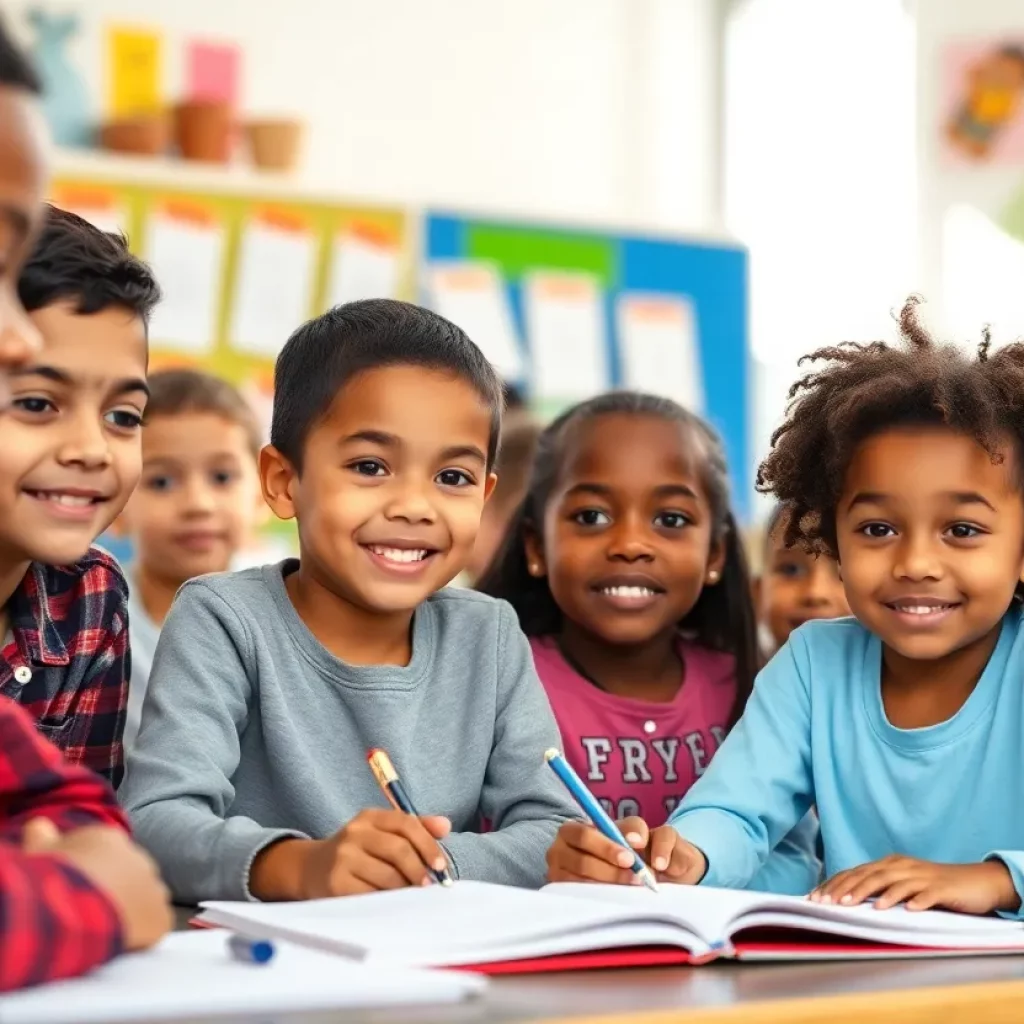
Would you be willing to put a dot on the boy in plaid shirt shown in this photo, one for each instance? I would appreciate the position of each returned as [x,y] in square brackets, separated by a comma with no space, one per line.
[74,889]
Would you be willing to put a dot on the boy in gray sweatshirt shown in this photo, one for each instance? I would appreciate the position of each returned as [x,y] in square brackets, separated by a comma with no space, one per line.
[249,776]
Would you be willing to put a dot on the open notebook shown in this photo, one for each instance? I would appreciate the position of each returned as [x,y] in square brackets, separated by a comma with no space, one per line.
[498,929]
[193,975]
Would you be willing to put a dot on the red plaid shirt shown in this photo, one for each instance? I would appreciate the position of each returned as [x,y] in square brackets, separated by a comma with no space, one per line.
[68,661]
[54,923]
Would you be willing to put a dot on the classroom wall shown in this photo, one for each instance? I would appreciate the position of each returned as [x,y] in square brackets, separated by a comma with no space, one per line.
[599,109]
[944,186]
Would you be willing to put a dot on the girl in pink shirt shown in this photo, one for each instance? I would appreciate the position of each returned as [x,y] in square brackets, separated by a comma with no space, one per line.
[627,572]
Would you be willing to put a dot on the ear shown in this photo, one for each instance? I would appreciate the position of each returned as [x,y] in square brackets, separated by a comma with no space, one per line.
[716,562]
[535,561]
[492,479]
[278,479]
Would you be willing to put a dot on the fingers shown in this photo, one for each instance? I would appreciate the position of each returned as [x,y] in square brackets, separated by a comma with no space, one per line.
[400,840]
[900,892]
[39,835]
[687,864]
[854,886]
[436,825]
[663,842]
[636,832]
[580,852]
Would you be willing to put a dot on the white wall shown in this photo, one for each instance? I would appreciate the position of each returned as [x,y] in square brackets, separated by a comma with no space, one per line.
[943,186]
[601,109]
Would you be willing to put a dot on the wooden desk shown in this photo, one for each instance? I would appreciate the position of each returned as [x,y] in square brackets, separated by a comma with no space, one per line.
[978,991]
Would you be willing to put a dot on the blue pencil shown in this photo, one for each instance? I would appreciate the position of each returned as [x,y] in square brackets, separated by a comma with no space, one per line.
[596,813]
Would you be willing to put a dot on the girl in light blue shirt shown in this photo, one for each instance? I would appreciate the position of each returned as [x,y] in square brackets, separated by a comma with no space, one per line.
[904,725]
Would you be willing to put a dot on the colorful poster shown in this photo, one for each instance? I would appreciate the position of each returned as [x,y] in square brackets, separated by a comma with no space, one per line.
[134,70]
[104,208]
[565,327]
[659,348]
[276,275]
[365,264]
[185,247]
[983,103]
[472,295]
[212,72]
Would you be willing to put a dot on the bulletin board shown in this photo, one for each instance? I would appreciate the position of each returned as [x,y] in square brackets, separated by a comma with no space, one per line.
[240,272]
[565,313]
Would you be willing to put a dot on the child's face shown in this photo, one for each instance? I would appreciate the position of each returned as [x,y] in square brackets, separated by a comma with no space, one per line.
[70,442]
[627,534]
[931,540]
[198,498]
[393,484]
[797,587]
[22,183]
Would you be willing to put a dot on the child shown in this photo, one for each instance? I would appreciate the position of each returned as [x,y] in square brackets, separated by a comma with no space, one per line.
[195,505]
[69,459]
[74,890]
[795,585]
[249,775]
[903,724]
[518,442]
[628,575]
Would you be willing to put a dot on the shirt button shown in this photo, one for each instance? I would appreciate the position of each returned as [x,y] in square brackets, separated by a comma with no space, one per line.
[22,674]
[649,727]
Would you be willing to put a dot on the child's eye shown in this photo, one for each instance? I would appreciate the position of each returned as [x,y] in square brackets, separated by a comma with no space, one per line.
[158,483]
[124,419]
[223,477]
[789,570]
[454,478]
[34,406]
[592,517]
[964,531]
[672,520]
[368,467]
[877,531]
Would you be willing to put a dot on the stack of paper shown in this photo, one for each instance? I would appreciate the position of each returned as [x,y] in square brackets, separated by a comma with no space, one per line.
[192,974]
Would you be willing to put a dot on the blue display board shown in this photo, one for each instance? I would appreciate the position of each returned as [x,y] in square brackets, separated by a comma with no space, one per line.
[711,277]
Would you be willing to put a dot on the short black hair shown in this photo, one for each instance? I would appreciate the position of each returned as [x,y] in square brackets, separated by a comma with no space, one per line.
[16,71]
[179,391]
[325,353]
[74,261]
[864,389]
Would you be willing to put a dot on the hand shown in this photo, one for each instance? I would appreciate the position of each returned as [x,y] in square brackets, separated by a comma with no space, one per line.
[377,849]
[920,884]
[580,853]
[112,862]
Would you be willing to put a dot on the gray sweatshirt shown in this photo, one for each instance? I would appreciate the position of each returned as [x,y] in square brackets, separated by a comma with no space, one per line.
[252,731]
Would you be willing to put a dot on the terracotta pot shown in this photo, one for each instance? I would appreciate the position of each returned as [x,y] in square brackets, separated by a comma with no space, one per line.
[274,145]
[146,135]
[204,131]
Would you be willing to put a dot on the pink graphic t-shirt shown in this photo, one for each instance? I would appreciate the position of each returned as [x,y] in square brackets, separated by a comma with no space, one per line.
[640,758]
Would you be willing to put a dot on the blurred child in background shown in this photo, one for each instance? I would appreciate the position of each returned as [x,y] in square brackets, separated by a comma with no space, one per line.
[627,573]
[794,586]
[518,443]
[195,506]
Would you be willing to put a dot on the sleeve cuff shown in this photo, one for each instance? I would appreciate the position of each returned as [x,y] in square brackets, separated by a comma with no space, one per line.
[267,839]
[1013,861]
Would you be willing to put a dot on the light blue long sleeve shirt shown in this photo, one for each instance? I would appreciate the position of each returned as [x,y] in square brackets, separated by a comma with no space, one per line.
[815,732]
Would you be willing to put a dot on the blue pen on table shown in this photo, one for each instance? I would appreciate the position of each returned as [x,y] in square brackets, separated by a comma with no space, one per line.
[388,780]
[251,951]
[593,810]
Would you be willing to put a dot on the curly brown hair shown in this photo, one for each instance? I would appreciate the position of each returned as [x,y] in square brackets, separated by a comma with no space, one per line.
[867,388]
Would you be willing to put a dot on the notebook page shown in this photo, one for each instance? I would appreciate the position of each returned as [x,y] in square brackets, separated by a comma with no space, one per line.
[471,922]
[192,974]
[717,913]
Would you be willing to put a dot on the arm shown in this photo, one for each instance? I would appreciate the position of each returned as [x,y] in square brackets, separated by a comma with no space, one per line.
[1013,861]
[54,923]
[36,782]
[793,867]
[178,789]
[758,786]
[521,796]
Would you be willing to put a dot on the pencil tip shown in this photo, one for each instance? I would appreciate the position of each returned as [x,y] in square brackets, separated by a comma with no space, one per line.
[650,882]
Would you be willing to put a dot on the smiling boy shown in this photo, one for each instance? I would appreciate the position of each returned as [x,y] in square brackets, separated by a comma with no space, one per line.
[69,459]
[249,775]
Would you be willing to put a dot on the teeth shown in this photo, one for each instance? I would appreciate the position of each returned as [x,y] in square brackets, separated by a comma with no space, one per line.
[69,500]
[633,592]
[922,609]
[399,554]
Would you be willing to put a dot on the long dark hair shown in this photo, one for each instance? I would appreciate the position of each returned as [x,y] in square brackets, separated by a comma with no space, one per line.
[723,618]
